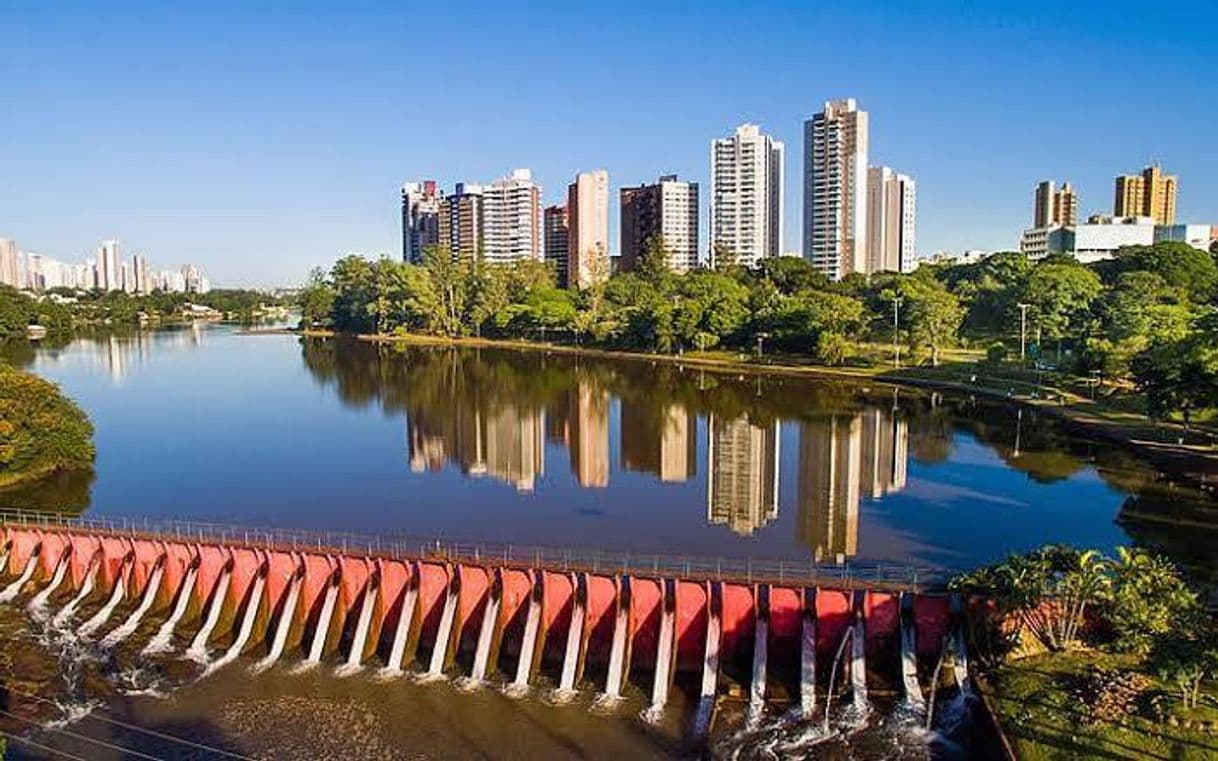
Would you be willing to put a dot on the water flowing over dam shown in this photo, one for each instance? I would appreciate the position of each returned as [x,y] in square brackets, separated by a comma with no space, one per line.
[778,637]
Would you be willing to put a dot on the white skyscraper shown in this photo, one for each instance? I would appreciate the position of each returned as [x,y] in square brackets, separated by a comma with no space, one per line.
[140,266]
[891,219]
[835,189]
[747,195]
[9,274]
[107,266]
[511,218]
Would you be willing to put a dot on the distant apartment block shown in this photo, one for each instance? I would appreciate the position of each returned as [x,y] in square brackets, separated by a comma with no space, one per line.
[747,195]
[666,209]
[1150,194]
[511,219]
[1054,206]
[460,224]
[588,236]
[891,221]
[9,271]
[556,225]
[834,185]
[420,219]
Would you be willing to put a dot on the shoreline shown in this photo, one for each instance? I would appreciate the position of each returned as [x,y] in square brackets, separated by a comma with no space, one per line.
[1192,464]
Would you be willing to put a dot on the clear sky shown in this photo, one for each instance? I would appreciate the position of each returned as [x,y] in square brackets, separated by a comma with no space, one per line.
[261,143]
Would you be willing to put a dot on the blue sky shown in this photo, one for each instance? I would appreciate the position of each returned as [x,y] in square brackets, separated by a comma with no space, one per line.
[261,143]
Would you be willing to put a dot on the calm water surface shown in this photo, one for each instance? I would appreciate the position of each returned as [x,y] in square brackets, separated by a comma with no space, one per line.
[550,449]
[535,448]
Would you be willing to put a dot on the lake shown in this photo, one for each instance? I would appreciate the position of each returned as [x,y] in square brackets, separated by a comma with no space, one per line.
[553,449]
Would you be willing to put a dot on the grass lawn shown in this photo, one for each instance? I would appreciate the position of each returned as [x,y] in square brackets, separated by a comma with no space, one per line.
[1044,718]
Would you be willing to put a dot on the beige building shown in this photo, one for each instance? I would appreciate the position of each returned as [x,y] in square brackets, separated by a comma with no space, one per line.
[1054,206]
[667,209]
[588,237]
[557,232]
[1150,194]
[891,221]
[835,189]
[9,270]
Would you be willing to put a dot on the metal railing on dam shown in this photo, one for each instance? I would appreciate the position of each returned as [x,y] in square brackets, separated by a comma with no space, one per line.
[847,574]
[487,612]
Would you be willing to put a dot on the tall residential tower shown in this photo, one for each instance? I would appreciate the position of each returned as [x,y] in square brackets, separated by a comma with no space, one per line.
[420,219]
[746,196]
[835,189]
[588,235]
[891,221]
[667,209]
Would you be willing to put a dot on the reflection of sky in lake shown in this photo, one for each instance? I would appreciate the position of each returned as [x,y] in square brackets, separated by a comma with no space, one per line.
[212,424]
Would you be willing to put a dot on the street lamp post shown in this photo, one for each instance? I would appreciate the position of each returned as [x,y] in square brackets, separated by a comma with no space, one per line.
[1023,330]
[896,332]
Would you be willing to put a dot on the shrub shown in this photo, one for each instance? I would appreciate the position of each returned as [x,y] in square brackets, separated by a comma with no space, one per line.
[1149,600]
[41,430]
[996,353]
[1186,658]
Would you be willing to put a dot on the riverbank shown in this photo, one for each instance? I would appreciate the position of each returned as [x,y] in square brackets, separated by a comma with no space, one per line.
[1185,456]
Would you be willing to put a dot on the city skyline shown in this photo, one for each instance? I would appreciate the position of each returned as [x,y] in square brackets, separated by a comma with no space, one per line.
[258,189]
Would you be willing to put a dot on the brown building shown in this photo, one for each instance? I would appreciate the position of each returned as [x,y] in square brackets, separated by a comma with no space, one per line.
[461,220]
[557,233]
[667,209]
[1150,194]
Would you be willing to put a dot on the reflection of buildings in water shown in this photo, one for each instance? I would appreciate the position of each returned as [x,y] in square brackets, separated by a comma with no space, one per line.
[842,459]
[504,443]
[589,434]
[659,441]
[742,480]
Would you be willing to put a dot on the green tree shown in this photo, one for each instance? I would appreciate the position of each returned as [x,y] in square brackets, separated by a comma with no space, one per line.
[354,290]
[1060,295]
[792,274]
[316,300]
[42,432]
[450,277]
[932,315]
[1180,376]
[1187,269]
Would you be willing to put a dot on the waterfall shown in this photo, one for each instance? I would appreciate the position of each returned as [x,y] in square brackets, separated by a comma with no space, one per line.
[837,662]
[575,636]
[160,642]
[524,666]
[154,583]
[86,588]
[405,619]
[710,669]
[116,596]
[664,647]
[323,623]
[12,590]
[8,543]
[807,661]
[960,660]
[490,616]
[761,636]
[286,615]
[198,647]
[439,653]
[356,657]
[858,664]
[909,655]
[39,603]
[617,651]
[934,681]
[247,625]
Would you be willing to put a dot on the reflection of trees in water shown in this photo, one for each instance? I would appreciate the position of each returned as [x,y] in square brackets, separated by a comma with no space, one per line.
[1179,523]
[67,491]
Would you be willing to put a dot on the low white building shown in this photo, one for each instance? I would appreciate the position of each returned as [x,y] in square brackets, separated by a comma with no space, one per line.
[1100,238]
[1197,236]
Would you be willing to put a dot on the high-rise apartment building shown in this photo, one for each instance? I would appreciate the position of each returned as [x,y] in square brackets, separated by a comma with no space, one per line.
[557,232]
[1054,206]
[511,219]
[420,218]
[1150,194]
[461,220]
[139,265]
[667,209]
[891,221]
[9,274]
[588,238]
[742,479]
[835,189]
[108,257]
[746,196]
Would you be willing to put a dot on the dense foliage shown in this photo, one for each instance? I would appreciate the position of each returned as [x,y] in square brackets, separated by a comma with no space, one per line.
[61,310]
[1146,315]
[42,432]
